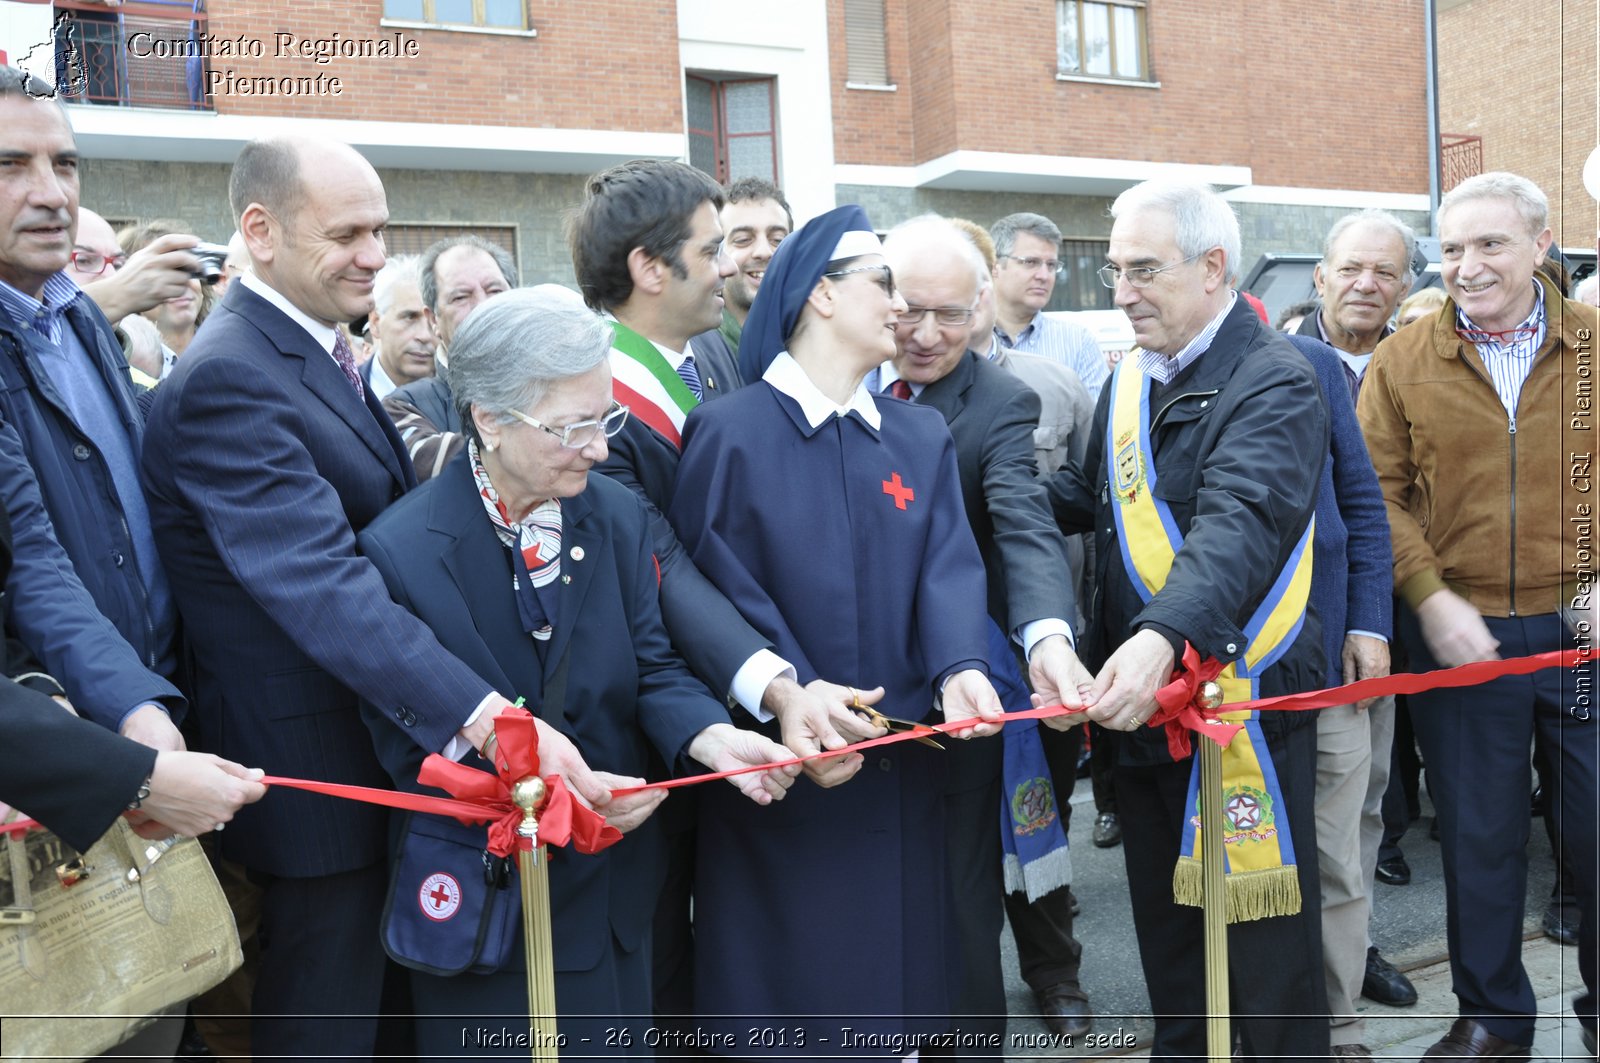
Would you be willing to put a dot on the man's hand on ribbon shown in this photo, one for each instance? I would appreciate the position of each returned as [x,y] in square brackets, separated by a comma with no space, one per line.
[969,696]
[819,716]
[1058,678]
[1454,630]
[1364,657]
[622,811]
[1123,696]
[724,747]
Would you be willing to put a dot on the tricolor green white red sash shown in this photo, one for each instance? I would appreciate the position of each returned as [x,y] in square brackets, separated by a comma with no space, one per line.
[1261,877]
[644,381]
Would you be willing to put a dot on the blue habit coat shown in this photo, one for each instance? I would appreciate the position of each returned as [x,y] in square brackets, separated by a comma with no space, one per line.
[849,549]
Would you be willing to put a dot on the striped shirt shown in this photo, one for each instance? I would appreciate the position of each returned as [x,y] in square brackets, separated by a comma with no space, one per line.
[1509,356]
[43,317]
[1062,341]
[1162,370]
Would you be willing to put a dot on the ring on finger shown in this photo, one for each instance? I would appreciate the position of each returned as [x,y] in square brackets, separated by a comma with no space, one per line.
[855,698]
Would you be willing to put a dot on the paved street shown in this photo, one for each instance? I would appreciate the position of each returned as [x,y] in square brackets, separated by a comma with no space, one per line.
[1409,929]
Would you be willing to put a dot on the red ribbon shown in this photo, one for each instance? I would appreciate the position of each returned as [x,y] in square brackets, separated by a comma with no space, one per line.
[480,796]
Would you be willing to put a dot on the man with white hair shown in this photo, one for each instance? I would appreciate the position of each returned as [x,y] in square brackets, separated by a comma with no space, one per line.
[401,329]
[1200,483]
[1480,437]
[992,416]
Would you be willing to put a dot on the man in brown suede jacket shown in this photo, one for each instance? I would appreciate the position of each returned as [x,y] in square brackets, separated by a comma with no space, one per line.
[1480,427]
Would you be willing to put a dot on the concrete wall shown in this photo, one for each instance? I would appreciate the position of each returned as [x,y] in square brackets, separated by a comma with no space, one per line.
[198,194]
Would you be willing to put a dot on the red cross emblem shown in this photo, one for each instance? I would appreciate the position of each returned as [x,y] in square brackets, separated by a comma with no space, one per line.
[898,491]
[440,896]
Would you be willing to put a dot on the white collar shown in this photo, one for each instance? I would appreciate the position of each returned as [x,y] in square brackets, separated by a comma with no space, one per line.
[319,332]
[381,382]
[785,375]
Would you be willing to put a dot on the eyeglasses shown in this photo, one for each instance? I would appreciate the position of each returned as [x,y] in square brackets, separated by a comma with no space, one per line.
[885,280]
[86,261]
[1032,264]
[1138,276]
[580,434]
[944,315]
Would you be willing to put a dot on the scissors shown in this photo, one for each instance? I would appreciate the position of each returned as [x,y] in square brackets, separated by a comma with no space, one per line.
[891,723]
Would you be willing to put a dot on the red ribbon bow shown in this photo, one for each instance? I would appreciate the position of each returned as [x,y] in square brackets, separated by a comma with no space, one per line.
[1180,710]
[563,820]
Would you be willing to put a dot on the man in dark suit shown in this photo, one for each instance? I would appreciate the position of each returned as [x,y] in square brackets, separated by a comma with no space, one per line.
[266,456]
[992,416]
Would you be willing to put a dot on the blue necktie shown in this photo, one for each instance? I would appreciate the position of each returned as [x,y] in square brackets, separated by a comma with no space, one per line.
[691,377]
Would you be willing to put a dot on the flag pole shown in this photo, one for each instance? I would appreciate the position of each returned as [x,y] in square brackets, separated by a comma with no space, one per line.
[532,862]
[1219,1033]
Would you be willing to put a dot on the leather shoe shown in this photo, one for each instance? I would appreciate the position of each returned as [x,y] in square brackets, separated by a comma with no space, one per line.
[1065,1010]
[1468,1040]
[1557,927]
[1359,1053]
[1393,871]
[1386,985]
[1107,830]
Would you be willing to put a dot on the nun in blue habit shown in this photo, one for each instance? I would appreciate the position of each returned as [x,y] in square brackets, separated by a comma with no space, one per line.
[833,520]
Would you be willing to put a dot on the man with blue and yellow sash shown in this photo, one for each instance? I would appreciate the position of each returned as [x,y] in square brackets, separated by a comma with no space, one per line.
[1200,482]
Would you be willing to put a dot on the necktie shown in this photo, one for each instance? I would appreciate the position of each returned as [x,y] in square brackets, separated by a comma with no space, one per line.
[691,376]
[347,361]
[900,390]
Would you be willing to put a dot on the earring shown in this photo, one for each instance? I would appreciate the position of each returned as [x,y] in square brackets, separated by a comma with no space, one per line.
[488,447]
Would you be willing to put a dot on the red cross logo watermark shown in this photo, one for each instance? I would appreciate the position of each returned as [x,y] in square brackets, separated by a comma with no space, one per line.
[440,896]
[898,491]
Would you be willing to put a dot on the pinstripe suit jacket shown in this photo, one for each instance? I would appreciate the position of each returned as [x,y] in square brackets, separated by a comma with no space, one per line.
[262,464]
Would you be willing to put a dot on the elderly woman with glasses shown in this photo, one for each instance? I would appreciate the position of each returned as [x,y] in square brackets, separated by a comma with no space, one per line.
[542,579]
[833,519]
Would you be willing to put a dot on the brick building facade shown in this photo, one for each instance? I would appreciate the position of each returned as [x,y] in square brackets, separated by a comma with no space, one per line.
[1522,76]
[488,113]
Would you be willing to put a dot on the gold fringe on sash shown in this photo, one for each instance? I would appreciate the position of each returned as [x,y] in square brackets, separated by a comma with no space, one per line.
[1259,894]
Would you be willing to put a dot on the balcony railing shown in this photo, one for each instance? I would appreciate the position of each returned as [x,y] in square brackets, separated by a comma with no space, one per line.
[144,53]
[1460,157]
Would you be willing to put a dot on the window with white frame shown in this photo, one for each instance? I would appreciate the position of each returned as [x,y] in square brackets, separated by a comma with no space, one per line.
[488,14]
[1103,39]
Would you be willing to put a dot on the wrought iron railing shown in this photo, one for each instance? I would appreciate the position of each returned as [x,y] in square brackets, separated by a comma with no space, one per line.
[1460,157]
[143,53]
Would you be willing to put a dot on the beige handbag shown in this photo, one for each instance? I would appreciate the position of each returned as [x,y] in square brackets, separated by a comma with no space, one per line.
[91,946]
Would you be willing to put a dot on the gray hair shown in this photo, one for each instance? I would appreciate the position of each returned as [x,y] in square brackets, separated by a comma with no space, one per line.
[1526,196]
[1004,232]
[1201,218]
[1373,216]
[400,270]
[428,266]
[513,347]
[937,233]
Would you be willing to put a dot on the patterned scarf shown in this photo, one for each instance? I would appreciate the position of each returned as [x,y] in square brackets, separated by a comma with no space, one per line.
[535,546]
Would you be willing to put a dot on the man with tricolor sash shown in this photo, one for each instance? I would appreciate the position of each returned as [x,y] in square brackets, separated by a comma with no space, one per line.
[647,250]
[1200,483]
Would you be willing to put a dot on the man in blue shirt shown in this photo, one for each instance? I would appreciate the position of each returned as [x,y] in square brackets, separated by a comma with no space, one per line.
[64,389]
[1027,249]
